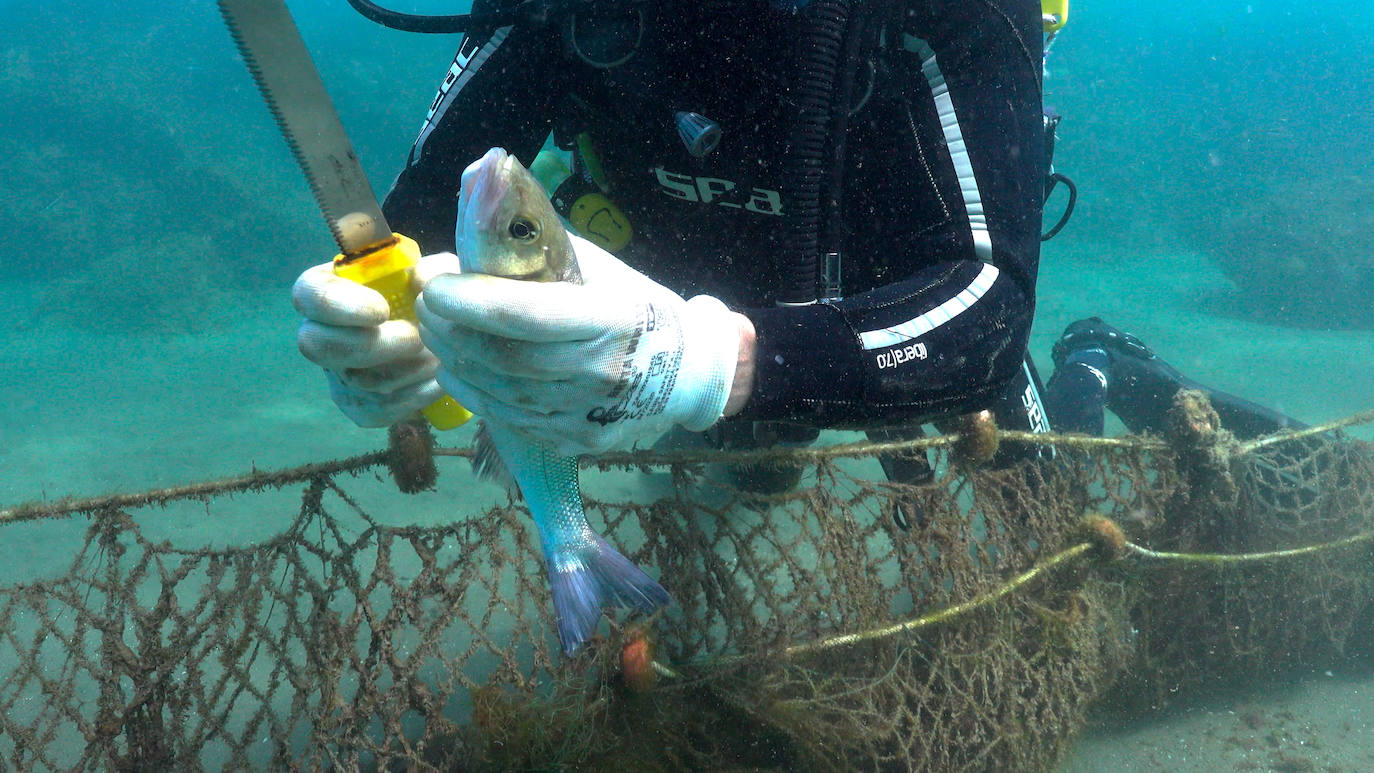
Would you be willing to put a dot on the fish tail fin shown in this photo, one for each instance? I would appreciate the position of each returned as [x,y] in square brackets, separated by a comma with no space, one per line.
[587,579]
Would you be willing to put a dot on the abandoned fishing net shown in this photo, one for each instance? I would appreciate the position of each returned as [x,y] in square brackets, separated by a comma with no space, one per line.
[964,621]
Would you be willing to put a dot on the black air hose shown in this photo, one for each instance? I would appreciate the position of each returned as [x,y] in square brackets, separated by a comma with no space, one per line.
[534,14]
[815,78]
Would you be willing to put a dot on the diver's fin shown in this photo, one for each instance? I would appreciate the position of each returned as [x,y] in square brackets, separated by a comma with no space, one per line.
[488,464]
[587,579]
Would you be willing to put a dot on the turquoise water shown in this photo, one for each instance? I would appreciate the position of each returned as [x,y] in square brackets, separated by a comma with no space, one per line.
[1222,151]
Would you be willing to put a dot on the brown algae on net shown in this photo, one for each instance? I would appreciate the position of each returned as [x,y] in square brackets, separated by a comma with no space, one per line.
[815,634]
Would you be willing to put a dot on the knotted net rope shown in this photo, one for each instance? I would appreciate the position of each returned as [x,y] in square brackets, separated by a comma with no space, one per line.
[812,629]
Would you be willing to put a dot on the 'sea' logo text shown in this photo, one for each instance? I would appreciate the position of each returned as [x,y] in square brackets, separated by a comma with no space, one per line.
[714,190]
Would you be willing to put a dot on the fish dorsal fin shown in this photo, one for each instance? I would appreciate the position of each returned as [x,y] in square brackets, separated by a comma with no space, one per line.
[487,462]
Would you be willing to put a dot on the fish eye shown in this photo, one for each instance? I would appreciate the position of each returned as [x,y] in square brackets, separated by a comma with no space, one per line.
[523,229]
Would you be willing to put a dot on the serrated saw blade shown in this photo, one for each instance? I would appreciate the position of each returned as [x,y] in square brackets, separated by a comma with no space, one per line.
[277,57]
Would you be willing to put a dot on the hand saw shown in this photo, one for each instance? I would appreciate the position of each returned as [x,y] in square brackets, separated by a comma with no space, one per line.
[369,252]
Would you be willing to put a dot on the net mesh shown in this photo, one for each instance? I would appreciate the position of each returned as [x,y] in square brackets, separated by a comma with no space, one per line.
[811,630]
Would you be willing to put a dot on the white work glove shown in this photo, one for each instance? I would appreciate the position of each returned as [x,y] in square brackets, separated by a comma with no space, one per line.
[379,372]
[582,368]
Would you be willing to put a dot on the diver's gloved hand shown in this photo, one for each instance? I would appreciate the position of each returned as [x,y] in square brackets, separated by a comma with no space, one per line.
[379,372]
[582,368]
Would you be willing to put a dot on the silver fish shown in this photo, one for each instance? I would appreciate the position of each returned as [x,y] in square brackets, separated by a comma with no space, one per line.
[507,227]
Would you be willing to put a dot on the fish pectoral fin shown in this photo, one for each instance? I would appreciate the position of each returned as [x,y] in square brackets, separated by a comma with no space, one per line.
[489,465]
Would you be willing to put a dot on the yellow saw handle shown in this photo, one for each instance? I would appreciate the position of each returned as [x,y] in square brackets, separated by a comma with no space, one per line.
[388,270]
[1055,14]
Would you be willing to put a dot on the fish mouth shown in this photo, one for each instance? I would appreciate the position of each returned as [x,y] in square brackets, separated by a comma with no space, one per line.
[485,184]
[490,186]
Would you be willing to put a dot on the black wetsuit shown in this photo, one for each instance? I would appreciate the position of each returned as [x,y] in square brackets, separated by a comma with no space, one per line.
[941,197]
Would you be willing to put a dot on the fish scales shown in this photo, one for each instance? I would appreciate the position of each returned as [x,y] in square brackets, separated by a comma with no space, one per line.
[507,227]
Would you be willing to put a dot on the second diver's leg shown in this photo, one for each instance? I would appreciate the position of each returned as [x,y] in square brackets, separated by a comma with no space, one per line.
[1098,366]
[1076,396]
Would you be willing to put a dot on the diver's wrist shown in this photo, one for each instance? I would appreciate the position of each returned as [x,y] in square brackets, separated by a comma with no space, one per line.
[706,370]
[743,384]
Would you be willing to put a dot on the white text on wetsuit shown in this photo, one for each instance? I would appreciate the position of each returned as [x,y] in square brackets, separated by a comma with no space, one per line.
[714,190]
[1035,413]
[895,357]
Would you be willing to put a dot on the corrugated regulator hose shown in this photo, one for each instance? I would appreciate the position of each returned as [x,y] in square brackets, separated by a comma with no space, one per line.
[815,77]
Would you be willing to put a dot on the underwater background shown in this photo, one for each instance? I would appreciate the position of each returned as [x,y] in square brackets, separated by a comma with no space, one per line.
[1223,152]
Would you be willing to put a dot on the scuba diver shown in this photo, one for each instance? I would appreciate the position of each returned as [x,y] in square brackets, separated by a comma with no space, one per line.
[848,192]
[1099,367]
[823,213]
